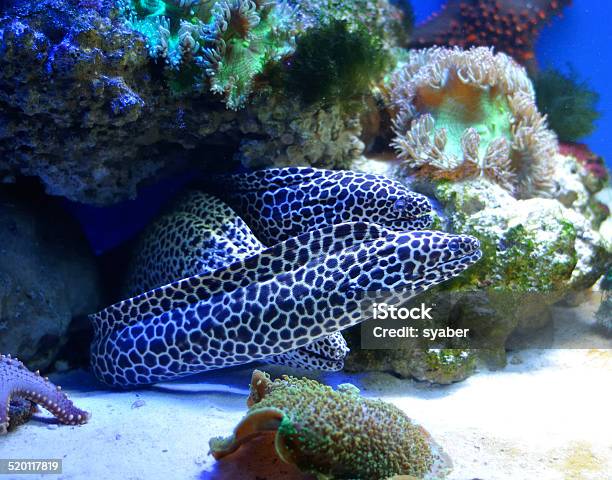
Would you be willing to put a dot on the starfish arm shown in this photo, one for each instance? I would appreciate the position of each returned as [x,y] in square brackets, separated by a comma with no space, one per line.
[17,381]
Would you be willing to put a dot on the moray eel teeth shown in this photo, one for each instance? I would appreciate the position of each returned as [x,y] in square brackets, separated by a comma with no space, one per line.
[280,203]
[282,298]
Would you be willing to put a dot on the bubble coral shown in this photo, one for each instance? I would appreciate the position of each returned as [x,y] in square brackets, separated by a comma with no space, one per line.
[334,433]
[471,113]
[228,42]
[511,26]
[568,102]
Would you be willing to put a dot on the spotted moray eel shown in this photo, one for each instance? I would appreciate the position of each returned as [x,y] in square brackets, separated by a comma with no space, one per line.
[201,233]
[280,203]
[198,234]
[20,388]
[282,298]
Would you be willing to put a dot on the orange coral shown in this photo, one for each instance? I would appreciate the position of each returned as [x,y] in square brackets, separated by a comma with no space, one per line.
[511,26]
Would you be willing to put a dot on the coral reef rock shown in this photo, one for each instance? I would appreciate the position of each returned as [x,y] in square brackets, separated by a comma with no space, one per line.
[440,366]
[85,108]
[334,433]
[536,252]
[392,21]
[604,313]
[47,277]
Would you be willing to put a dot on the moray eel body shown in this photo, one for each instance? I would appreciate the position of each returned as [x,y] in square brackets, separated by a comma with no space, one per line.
[281,203]
[279,299]
[199,234]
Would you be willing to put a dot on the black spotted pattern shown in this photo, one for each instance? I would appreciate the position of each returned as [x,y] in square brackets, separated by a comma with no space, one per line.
[270,303]
[280,203]
[199,233]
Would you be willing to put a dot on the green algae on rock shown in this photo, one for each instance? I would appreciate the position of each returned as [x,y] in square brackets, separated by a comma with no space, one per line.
[536,252]
[440,366]
[334,433]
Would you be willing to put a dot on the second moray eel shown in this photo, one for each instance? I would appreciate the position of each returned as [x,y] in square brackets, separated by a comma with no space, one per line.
[280,203]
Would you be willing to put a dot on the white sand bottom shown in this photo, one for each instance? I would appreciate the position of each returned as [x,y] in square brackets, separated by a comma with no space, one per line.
[547,416]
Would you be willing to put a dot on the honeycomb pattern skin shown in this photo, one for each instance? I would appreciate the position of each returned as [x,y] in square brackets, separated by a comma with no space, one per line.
[199,233]
[275,301]
[280,203]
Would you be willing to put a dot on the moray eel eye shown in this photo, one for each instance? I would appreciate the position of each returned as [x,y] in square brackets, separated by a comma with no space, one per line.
[453,245]
[399,205]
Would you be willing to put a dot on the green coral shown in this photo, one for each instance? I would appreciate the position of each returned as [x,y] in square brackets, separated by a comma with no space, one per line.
[224,44]
[334,433]
[246,36]
[393,22]
[569,103]
[335,63]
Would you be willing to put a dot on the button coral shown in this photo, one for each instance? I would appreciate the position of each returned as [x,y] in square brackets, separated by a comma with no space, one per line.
[472,113]
[334,433]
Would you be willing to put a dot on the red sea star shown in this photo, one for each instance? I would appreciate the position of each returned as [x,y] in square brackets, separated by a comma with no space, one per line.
[511,26]
[17,382]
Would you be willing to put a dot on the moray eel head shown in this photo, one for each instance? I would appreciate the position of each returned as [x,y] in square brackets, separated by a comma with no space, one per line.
[408,262]
[391,204]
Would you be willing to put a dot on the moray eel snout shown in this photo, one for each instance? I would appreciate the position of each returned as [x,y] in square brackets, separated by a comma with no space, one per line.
[408,262]
[436,256]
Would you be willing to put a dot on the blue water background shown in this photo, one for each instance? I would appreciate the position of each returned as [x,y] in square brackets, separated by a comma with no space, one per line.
[582,37]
